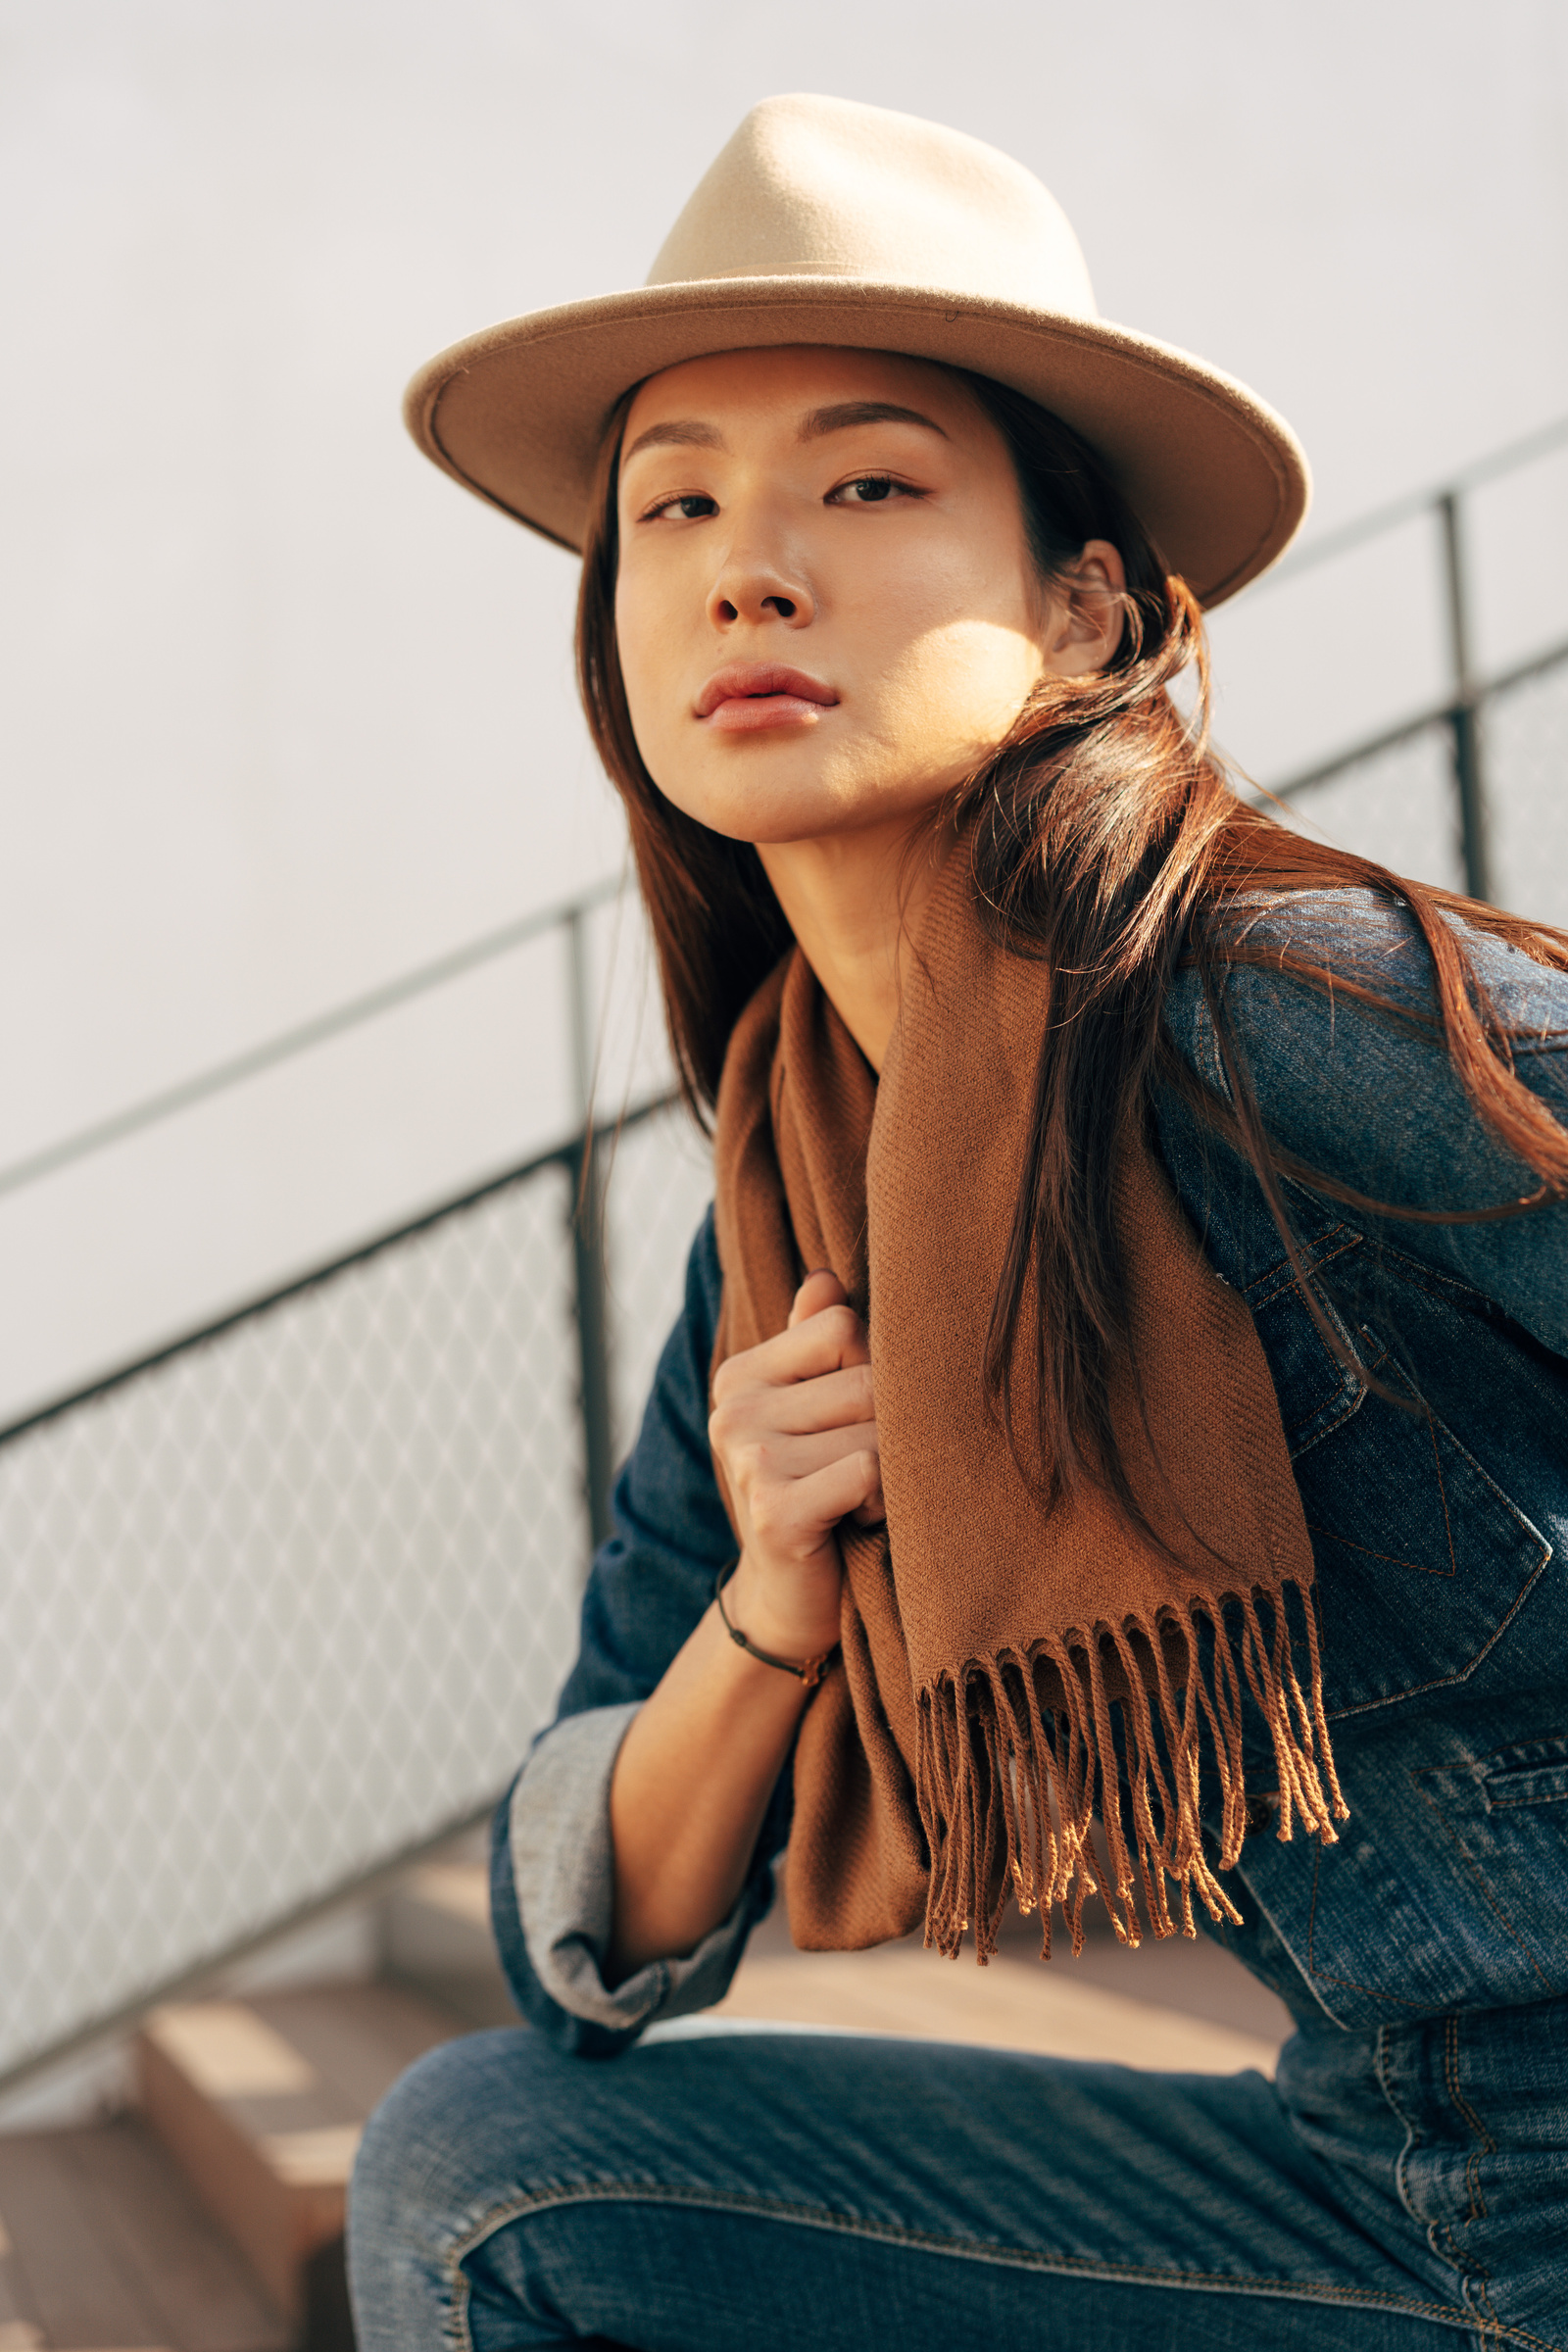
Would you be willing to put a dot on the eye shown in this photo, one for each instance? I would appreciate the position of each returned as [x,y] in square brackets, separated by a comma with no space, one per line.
[870,490]
[690,507]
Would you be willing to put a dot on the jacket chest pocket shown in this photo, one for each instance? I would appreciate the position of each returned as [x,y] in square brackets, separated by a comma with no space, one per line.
[1505,1815]
[1421,1558]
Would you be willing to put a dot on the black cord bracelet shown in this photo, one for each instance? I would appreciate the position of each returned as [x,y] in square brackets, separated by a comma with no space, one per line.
[809,1671]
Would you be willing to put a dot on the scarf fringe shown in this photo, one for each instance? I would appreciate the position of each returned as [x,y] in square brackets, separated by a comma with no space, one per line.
[1009,1782]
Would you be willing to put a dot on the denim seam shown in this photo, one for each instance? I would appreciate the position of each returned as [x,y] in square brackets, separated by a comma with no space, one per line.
[1474,2276]
[1314,1257]
[1394,1559]
[1424,1277]
[1354,1394]
[1412,2135]
[518,2208]
[1448,1682]
[1443,1489]
[1487,2146]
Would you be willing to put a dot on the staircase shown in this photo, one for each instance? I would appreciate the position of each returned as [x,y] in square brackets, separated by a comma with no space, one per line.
[208,2217]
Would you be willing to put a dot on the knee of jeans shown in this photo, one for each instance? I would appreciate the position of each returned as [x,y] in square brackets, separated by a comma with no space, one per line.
[417,2146]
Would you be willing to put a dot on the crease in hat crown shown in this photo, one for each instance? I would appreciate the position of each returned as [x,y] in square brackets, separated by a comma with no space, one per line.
[824,187]
[826,221]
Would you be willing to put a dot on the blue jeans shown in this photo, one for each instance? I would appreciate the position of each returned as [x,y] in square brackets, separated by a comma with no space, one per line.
[764,2188]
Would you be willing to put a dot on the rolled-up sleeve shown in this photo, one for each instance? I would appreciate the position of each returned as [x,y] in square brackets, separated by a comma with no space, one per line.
[563,1875]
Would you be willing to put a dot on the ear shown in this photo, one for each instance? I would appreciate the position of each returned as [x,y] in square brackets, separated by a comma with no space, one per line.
[1084,618]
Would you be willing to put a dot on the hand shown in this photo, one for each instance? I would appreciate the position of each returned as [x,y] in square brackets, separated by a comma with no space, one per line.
[794,1429]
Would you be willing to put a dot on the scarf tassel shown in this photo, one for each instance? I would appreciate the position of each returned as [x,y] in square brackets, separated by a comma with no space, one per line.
[1016,1755]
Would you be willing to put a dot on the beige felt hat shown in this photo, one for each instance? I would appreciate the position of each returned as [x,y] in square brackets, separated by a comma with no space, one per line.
[824,222]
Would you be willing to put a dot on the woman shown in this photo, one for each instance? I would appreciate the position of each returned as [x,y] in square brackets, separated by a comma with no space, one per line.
[1112,1449]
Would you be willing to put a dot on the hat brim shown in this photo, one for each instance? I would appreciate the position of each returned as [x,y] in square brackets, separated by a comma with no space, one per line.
[517,413]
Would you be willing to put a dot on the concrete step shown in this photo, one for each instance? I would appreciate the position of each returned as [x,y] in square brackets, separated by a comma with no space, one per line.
[435,1938]
[1013,2003]
[262,2104]
[104,2244]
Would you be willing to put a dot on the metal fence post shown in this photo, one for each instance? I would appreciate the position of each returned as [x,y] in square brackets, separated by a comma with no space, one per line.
[588,1248]
[1464,715]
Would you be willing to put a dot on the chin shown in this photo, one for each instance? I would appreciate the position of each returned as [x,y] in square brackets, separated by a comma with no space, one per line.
[758,800]
[768,807]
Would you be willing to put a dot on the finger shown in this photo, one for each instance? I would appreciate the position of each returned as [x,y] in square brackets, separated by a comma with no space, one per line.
[829,1341]
[832,1401]
[769,1459]
[821,1287]
[826,1342]
[874,1511]
[838,1489]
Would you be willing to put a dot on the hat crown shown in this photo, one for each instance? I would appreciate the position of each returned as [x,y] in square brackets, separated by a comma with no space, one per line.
[824,187]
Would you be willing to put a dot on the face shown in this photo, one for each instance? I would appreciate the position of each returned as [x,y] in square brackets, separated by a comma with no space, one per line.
[826,611]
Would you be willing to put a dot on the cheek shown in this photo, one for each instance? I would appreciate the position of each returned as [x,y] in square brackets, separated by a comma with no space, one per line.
[640,627]
[632,619]
[963,678]
[956,628]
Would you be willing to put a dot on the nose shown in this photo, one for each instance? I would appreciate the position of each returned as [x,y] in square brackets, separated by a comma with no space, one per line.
[755,584]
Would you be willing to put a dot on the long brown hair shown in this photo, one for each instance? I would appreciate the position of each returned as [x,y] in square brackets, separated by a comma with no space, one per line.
[1107,842]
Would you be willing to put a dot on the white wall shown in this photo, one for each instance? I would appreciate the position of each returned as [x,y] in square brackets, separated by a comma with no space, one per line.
[282,711]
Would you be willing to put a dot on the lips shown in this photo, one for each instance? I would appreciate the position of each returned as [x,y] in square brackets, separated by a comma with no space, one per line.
[748,694]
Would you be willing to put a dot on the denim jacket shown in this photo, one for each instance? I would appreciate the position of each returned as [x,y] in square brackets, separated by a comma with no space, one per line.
[1438,1529]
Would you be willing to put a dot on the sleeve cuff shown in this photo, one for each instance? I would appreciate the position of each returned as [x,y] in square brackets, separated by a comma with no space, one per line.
[563,1873]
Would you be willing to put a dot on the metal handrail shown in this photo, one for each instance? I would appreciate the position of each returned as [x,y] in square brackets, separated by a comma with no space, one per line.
[1431,715]
[581,1154]
[1364,528]
[569,1154]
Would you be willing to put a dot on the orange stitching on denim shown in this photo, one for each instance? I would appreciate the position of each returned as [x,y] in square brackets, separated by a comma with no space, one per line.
[1423,1277]
[1394,1558]
[1354,1392]
[1541,1739]
[815,2217]
[1313,1259]
[1523,1804]
[1447,1681]
[1437,1462]
[1412,2135]
[1488,2146]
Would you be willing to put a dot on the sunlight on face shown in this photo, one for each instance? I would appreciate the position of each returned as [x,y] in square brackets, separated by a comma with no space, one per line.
[825,608]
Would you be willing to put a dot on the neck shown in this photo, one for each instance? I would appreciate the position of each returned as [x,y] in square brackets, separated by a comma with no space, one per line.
[852,900]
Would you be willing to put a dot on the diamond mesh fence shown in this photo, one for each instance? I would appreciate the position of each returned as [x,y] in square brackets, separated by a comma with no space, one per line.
[660,1180]
[1400,805]
[289,1602]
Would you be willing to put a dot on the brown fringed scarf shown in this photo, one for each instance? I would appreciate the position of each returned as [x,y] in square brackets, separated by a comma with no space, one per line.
[961,1753]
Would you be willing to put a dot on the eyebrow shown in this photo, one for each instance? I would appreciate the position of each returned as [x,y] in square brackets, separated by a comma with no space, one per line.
[680,432]
[690,433]
[845,412]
